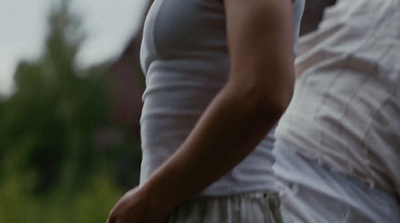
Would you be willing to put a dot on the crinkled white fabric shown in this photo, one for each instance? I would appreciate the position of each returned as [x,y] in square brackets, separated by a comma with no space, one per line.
[185,58]
[346,107]
[256,207]
[311,193]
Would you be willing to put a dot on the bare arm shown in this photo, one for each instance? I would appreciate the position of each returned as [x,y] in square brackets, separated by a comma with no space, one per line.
[260,38]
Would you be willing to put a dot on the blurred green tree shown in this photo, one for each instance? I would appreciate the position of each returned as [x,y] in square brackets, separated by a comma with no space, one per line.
[56,107]
[54,154]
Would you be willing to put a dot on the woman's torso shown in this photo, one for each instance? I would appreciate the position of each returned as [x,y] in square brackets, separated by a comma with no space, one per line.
[185,59]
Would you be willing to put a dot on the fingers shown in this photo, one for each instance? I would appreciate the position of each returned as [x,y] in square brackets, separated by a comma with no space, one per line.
[112,218]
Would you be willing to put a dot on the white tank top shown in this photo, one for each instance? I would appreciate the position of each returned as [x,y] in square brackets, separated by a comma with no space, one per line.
[184,56]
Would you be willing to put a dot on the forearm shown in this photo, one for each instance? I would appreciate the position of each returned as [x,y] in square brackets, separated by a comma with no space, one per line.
[227,132]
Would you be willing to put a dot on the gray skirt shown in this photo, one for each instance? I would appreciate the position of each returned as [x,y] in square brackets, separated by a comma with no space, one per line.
[255,207]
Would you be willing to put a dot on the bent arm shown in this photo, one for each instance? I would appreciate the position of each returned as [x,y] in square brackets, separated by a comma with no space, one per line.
[260,38]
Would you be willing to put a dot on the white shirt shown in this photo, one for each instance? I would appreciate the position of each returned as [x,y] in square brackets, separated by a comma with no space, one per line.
[346,106]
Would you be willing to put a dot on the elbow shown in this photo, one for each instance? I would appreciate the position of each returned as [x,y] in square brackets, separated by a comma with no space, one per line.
[277,100]
[272,107]
[275,107]
[266,101]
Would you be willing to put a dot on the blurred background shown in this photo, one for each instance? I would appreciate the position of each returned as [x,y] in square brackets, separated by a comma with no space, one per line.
[70,103]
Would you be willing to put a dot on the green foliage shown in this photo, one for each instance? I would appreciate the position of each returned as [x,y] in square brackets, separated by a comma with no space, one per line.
[53,167]
[19,205]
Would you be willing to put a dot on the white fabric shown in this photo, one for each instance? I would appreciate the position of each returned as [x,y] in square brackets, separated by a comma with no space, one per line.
[311,193]
[346,107]
[256,207]
[184,56]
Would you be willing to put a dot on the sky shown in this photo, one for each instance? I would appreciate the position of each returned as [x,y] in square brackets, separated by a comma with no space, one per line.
[109,25]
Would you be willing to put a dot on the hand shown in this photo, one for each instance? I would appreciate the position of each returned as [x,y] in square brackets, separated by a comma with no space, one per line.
[136,207]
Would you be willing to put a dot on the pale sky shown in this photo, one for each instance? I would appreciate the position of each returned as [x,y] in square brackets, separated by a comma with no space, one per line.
[109,25]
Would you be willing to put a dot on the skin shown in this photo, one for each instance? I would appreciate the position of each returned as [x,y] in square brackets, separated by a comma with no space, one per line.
[260,86]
